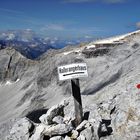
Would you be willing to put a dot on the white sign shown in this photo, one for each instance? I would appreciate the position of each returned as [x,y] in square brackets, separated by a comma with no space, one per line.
[72,71]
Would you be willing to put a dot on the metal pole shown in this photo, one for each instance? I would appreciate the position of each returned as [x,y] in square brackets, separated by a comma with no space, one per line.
[77,101]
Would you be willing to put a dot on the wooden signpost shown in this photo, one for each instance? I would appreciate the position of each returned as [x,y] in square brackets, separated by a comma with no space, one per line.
[73,72]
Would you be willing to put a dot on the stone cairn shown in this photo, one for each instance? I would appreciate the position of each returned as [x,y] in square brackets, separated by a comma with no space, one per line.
[56,124]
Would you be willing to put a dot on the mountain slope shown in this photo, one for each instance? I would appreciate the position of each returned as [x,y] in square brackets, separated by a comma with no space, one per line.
[113,76]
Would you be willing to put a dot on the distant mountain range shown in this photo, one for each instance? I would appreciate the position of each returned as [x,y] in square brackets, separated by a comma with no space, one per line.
[29,44]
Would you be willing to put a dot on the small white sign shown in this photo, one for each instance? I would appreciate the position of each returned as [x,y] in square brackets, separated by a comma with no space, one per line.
[72,71]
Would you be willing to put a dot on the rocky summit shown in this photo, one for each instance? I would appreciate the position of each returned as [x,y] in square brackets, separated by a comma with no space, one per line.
[35,105]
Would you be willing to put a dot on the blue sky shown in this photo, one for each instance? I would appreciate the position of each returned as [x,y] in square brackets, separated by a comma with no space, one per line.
[71,18]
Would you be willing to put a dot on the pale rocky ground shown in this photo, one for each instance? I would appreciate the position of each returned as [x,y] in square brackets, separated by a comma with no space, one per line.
[28,88]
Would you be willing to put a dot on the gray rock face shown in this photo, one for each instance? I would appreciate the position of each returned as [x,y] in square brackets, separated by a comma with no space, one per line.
[13,65]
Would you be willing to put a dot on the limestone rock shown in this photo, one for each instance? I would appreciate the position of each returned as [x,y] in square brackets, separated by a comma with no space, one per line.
[67,138]
[20,130]
[104,111]
[74,134]
[53,112]
[52,130]
[94,117]
[59,129]
[57,138]
[88,133]
[82,125]
[38,134]
[81,137]
[104,129]
[58,120]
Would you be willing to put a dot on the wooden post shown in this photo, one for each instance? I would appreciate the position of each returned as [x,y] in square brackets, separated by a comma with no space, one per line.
[77,101]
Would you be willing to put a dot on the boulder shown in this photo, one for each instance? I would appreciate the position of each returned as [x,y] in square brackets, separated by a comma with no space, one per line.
[69,114]
[52,130]
[59,129]
[57,110]
[21,130]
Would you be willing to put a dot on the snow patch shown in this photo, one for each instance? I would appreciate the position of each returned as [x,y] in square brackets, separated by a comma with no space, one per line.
[34,45]
[90,46]
[10,37]
[73,51]
[116,39]
[17,80]
[66,53]
[10,82]
[25,40]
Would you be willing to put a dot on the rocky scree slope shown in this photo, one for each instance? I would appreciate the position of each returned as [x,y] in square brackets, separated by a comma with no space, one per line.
[28,88]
